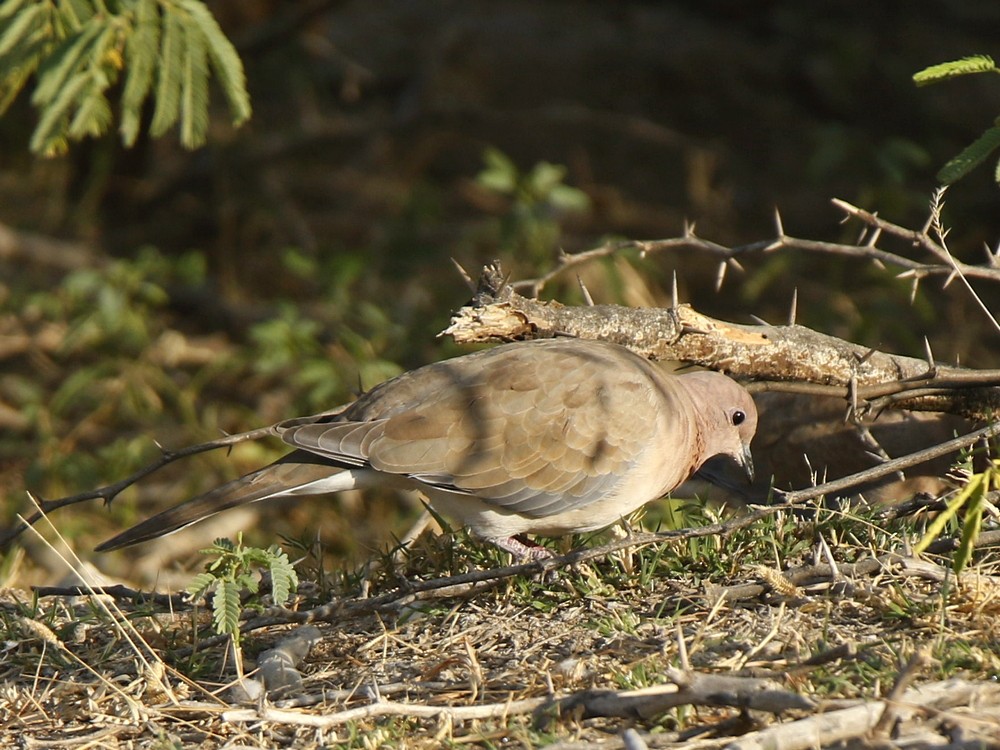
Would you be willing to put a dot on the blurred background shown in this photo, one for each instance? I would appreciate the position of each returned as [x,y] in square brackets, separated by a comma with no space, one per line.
[159,294]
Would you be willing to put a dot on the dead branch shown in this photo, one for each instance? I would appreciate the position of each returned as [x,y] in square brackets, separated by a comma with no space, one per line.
[386,708]
[825,729]
[686,688]
[120,593]
[788,357]
[805,576]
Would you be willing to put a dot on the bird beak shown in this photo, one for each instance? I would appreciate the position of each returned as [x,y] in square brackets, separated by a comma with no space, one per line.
[746,460]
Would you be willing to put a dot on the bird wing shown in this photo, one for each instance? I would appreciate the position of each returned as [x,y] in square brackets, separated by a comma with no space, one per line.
[539,428]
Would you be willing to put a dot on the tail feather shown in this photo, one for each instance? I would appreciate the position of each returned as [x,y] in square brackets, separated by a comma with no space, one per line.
[287,477]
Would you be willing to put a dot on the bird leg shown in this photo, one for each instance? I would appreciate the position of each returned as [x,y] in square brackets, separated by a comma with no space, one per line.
[522,548]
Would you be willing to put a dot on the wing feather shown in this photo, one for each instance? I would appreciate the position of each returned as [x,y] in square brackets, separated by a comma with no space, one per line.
[535,428]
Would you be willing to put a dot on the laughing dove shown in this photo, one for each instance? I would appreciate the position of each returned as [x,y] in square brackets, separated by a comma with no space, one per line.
[548,437]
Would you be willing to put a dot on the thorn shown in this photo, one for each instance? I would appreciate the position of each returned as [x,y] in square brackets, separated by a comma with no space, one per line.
[778,226]
[951,278]
[720,276]
[907,273]
[878,264]
[913,289]
[759,321]
[927,225]
[874,237]
[688,229]
[991,257]
[831,561]
[465,275]
[674,296]
[930,355]
[867,355]
[586,292]
[852,395]
[735,264]
[776,245]
[794,308]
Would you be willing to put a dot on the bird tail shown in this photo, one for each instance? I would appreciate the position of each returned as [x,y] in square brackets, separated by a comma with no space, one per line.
[298,473]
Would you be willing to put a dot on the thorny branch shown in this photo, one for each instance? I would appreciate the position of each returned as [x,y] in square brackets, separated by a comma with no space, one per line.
[111,491]
[942,263]
[788,358]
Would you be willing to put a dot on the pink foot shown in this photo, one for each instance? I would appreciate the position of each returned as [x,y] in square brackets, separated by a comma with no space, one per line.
[522,549]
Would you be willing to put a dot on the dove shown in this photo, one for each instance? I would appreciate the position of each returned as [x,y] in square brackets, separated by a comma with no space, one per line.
[545,437]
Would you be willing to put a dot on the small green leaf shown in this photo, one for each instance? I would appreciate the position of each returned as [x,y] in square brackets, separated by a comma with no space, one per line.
[22,26]
[544,177]
[141,51]
[970,157]
[500,175]
[965,66]
[225,60]
[226,608]
[168,88]
[284,580]
[200,584]
[11,7]
[65,60]
[194,87]
[568,198]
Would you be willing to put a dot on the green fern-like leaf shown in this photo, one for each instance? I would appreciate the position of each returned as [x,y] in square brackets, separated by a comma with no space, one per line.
[284,580]
[965,66]
[49,137]
[21,25]
[168,88]
[141,54]
[970,65]
[194,101]
[971,156]
[226,608]
[66,60]
[224,59]
[200,584]
[166,47]
[11,8]
[25,35]
[93,117]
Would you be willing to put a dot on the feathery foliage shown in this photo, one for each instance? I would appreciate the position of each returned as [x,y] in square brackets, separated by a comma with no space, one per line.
[955,68]
[232,572]
[78,50]
[976,152]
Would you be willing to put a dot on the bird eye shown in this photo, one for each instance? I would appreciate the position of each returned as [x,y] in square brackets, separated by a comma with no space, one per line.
[738,418]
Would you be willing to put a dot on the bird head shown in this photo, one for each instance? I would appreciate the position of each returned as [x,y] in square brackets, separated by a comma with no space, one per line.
[726,415]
